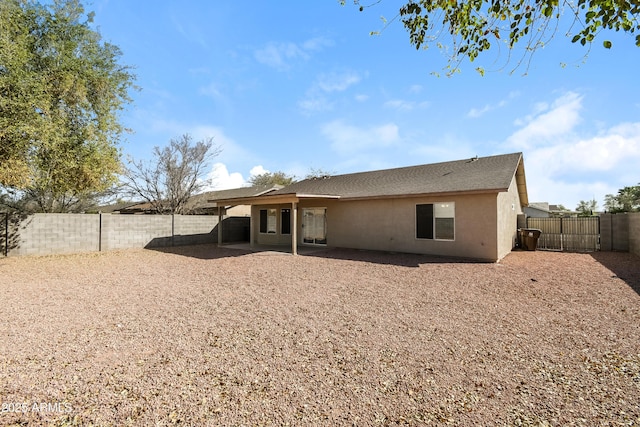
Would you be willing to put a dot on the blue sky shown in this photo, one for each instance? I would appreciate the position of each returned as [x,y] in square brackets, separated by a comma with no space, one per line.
[293,85]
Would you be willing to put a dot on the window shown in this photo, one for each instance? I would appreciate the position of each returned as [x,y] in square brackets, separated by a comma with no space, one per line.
[285,218]
[435,221]
[268,221]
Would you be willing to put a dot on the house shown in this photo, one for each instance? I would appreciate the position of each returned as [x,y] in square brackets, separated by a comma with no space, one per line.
[200,204]
[545,210]
[466,208]
[206,203]
[537,210]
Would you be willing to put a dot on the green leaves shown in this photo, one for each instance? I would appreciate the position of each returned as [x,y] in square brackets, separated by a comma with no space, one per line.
[476,26]
[61,90]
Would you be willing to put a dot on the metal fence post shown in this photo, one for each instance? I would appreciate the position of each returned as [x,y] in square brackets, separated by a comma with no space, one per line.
[6,234]
[99,231]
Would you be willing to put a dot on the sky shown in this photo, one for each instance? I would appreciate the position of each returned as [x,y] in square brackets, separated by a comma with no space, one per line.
[294,86]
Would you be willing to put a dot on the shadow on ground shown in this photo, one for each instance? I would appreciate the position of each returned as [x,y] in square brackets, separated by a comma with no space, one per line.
[391,258]
[213,251]
[624,265]
[205,251]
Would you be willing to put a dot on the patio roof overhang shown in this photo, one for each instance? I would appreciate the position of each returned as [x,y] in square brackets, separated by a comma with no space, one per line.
[271,199]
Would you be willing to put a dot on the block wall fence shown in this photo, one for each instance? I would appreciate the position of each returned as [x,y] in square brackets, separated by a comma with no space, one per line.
[45,234]
[620,232]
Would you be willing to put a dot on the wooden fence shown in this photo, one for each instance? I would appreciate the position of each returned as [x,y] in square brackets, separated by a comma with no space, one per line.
[568,234]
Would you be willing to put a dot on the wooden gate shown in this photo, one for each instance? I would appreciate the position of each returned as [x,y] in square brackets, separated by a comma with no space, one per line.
[568,234]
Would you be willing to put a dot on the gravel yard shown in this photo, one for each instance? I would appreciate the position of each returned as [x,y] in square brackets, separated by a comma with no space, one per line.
[207,336]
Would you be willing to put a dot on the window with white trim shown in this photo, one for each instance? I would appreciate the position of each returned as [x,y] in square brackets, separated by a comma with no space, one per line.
[268,221]
[285,221]
[435,221]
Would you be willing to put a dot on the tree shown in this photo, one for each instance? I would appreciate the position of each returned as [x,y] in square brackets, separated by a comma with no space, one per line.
[175,174]
[61,89]
[271,178]
[627,200]
[586,208]
[475,26]
[317,173]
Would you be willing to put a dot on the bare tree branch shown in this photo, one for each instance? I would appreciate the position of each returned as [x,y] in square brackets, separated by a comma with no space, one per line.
[175,174]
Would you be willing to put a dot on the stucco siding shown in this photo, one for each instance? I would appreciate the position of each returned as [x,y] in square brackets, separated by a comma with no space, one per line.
[266,238]
[390,225]
[485,224]
[508,208]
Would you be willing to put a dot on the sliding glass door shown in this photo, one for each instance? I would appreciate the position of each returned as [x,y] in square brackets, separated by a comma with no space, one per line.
[314,226]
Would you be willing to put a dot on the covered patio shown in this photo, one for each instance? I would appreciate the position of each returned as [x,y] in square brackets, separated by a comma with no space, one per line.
[292,240]
[276,249]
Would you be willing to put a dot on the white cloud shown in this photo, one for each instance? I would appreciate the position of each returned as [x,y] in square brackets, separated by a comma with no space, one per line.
[258,170]
[316,97]
[565,164]
[190,32]
[317,43]
[337,82]
[280,55]
[601,153]
[221,179]
[347,139]
[546,126]
[402,105]
[569,194]
[315,103]
[478,112]
[210,90]
[474,113]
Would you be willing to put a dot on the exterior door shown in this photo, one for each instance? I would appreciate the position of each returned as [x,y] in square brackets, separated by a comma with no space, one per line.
[314,226]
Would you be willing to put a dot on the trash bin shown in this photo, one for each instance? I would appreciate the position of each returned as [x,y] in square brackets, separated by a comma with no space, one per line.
[529,238]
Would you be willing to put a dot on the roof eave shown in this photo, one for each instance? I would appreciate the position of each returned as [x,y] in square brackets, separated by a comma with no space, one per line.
[431,194]
[521,183]
[269,199]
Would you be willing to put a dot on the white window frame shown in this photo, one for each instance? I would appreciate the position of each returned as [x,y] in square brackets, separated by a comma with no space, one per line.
[443,206]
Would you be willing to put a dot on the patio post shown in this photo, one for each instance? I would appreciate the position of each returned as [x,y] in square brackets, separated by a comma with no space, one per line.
[251,226]
[294,226]
[220,218]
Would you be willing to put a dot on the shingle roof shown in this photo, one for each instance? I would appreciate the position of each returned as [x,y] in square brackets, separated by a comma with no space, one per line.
[478,174]
[212,196]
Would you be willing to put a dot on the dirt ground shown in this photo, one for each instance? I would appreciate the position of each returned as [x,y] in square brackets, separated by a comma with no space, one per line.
[207,336]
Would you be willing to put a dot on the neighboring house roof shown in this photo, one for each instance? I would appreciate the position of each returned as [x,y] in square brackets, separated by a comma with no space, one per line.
[199,203]
[484,174]
[213,196]
[118,207]
[541,206]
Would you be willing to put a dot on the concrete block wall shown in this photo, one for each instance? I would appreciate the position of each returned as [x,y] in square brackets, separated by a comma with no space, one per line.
[235,229]
[45,234]
[614,232]
[135,231]
[195,229]
[634,233]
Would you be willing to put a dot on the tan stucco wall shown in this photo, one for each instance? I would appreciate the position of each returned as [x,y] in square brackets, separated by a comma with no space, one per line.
[240,210]
[485,224]
[390,225]
[508,205]
[265,238]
